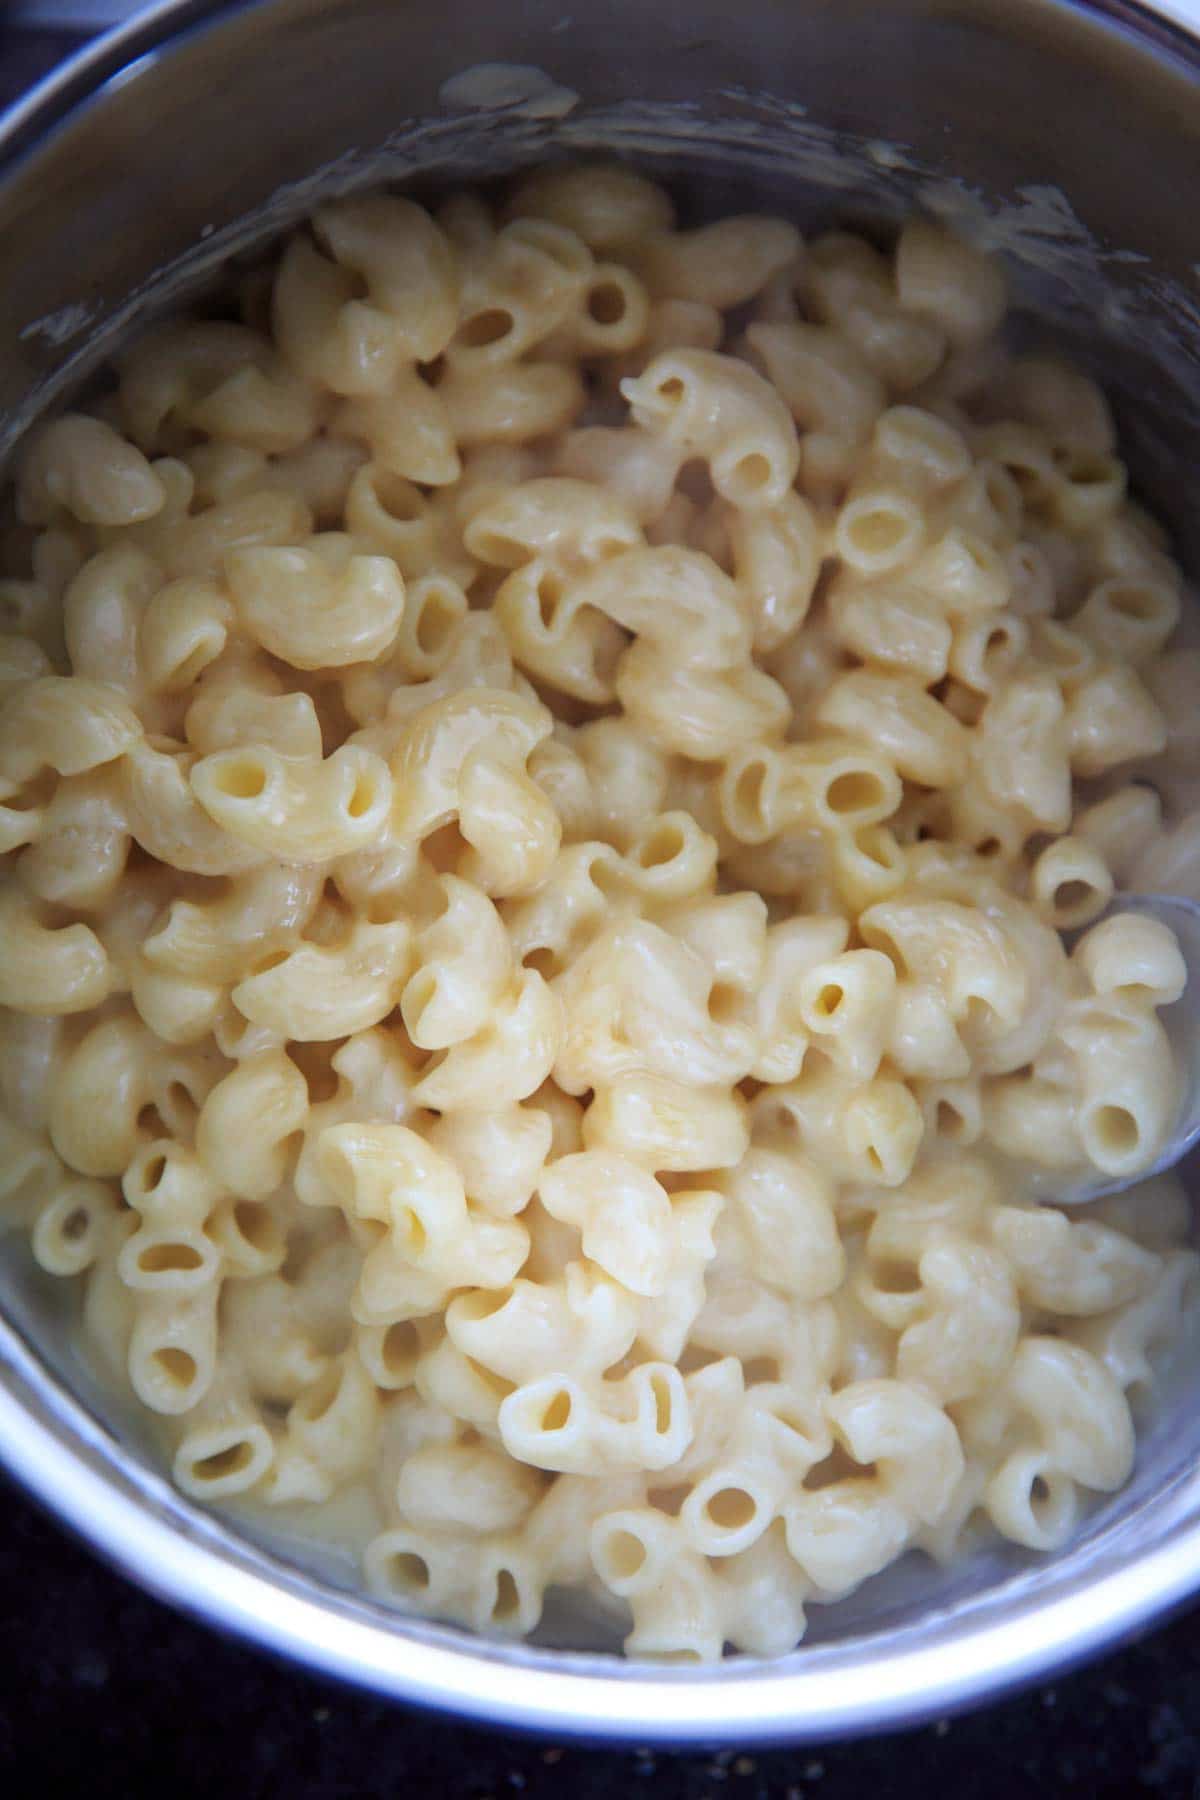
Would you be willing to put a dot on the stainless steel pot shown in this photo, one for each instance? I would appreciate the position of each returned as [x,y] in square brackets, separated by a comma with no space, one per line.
[1068,134]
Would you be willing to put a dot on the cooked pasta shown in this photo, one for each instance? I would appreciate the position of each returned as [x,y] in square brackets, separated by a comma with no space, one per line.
[540,797]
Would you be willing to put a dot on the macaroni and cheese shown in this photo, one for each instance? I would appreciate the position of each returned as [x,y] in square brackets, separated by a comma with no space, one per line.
[546,757]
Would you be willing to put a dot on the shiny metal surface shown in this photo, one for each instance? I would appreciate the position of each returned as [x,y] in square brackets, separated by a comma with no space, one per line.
[163,138]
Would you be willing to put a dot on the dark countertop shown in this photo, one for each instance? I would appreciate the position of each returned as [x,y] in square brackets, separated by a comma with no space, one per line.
[105,1692]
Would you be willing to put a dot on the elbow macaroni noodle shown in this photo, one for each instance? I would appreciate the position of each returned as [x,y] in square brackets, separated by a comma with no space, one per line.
[542,778]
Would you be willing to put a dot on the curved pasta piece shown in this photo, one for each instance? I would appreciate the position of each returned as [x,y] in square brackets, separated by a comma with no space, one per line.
[318,992]
[640,1422]
[84,467]
[638,1000]
[302,811]
[584,1321]
[507,1060]
[556,517]
[719,408]
[463,963]
[217,377]
[246,1127]
[49,970]
[433,1242]
[316,612]
[62,723]
[428,762]
[622,1212]
[406,261]
[407,430]
[166,818]
[213,940]
[665,1125]
[722,264]
[674,599]
[499,1154]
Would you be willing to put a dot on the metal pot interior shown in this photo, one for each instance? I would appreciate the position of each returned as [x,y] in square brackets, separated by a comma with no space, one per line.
[1068,138]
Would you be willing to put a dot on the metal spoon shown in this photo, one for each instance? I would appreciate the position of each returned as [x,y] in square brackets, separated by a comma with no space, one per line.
[1181,1022]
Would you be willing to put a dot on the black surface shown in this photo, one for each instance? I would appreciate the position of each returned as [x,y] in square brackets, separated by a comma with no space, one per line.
[25,56]
[104,1692]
